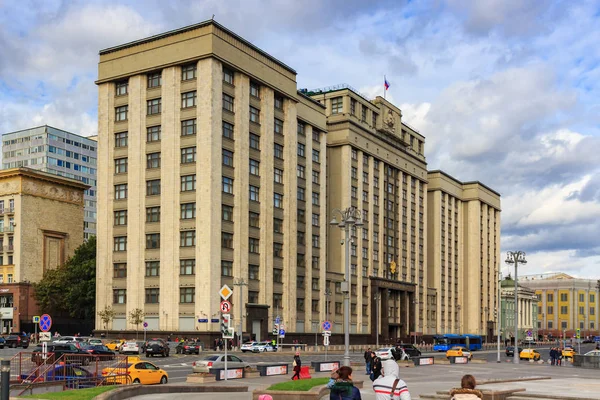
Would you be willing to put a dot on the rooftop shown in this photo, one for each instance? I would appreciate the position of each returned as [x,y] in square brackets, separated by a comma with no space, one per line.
[45,128]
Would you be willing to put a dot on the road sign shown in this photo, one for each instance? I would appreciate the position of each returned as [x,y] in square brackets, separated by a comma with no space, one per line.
[225,292]
[326,333]
[326,341]
[202,320]
[145,324]
[225,306]
[36,319]
[529,333]
[229,334]
[326,325]
[45,323]
[214,320]
[45,337]
[282,333]
[277,320]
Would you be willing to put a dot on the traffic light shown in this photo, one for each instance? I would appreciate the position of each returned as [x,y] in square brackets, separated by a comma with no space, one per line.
[225,324]
[578,333]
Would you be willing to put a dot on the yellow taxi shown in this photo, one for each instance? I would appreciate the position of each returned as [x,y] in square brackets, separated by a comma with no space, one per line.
[529,354]
[114,345]
[568,352]
[142,372]
[458,351]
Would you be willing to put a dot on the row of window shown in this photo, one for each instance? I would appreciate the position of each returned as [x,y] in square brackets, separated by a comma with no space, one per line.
[564,310]
[564,297]
[186,295]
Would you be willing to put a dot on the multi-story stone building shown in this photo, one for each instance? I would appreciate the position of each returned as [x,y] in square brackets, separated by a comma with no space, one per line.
[60,153]
[463,247]
[40,227]
[527,311]
[211,166]
[565,303]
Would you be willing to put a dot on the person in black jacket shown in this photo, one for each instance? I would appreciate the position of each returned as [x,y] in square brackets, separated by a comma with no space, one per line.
[367,357]
[375,367]
[297,365]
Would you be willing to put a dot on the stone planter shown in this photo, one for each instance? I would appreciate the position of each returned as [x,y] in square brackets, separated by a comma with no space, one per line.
[315,393]
[251,374]
[201,378]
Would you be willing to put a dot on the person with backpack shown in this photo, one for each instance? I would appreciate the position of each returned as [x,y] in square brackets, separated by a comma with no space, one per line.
[297,365]
[343,388]
[375,366]
[389,386]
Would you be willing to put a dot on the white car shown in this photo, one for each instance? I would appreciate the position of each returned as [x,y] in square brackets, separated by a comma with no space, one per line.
[595,353]
[130,348]
[248,346]
[95,342]
[384,353]
[70,339]
[217,361]
[263,347]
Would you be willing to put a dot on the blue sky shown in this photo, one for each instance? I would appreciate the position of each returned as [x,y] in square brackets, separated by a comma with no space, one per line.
[505,91]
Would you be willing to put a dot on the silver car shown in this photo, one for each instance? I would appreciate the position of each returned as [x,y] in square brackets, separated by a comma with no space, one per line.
[130,348]
[218,361]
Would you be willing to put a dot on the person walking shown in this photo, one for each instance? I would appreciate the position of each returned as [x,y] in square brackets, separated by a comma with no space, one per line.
[552,356]
[375,366]
[297,364]
[467,390]
[343,388]
[389,386]
[367,357]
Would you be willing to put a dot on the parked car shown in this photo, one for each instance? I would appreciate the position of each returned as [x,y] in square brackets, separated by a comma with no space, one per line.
[70,339]
[459,351]
[588,340]
[384,353]
[142,372]
[157,347]
[17,341]
[130,348]
[263,347]
[595,353]
[99,350]
[218,361]
[187,348]
[114,345]
[568,352]
[96,342]
[410,350]
[529,340]
[74,377]
[529,354]
[2,342]
[510,350]
[72,354]
[247,346]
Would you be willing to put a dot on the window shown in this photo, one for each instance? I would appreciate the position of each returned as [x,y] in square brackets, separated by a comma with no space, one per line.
[315,219]
[188,210]
[315,199]
[278,102]
[376,199]
[581,298]
[315,177]
[316,135]
[255,89]
[300,171]
[152,295]
[121,113]
[563,309]
[315,306]
[550,297]
[187,294]
[228,158]
[254,220]
[153,106]
[253,245]
[120,217]
[252,297]
[550,310]
[121,88]
[254,167]
[337,104]
[152,268]
[315,155]
[228,76]
[254,141]
[227,185]
[121,191]
[301,128]
[187,267]
[154,79]
[301,194]
[119,296]
[254,193]
[278,200]
[188,99]
[188,183]
[373,119]
[277,225]
[354,192]
[316,241]
[300,259]
[188,155]
[153,187]
[227,213]
[227,130]
[153,214]
[153,134]
[352,106]
[278,126]
[152,240]
[364,114]
[121,166]
[278,151]
[563,297]
[592,298]
[188,127]
[120,243]
[278,175]
[301,149]
[227,240]
[227,102]
[299,300]
[278,250]
[121,139]
[354,154]
[119,270]
[581,310]
[315,262]
[187,238]
[354,173]
[188,72]
[153,160]
[277,275]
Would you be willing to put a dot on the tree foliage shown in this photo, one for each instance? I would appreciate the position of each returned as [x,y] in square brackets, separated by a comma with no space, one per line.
[106,315]
[70,289]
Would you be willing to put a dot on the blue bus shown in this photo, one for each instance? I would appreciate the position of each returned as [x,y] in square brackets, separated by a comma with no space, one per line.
[449,340]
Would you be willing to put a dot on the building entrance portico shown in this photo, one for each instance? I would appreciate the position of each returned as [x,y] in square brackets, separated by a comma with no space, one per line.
[396,312]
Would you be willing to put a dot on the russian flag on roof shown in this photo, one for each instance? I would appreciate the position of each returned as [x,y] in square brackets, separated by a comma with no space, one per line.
[386,84]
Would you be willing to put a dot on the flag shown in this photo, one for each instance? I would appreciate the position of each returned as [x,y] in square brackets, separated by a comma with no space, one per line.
[386,84]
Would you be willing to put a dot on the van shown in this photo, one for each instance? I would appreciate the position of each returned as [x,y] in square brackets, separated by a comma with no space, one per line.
[529,340]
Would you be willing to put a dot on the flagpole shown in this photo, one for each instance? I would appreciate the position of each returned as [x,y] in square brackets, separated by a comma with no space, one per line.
[384,87]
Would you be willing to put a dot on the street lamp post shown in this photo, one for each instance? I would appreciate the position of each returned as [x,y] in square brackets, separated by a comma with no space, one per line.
[349,218]
[241,282]
[416,303]
[377,300]
[498,313]
[516,257]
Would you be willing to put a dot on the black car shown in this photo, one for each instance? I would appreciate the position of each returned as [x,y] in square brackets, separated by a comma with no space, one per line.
[17,341]
[410,349]
[2,342]
[71,354]
[157,347]
[510,351]
[187,348]
[103,352]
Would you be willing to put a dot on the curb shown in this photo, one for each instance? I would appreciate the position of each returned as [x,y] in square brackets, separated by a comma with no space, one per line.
[140,390]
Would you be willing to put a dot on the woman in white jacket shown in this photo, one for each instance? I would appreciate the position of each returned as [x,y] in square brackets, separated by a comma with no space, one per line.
[389,385]
[467,390]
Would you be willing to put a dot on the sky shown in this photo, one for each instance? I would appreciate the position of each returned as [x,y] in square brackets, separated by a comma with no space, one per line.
[505,91]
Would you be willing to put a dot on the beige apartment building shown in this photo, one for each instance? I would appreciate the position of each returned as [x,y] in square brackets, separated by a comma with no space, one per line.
[463,248]
[41,216]
[212,170]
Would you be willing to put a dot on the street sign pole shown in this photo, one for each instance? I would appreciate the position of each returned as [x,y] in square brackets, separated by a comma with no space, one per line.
[36,335]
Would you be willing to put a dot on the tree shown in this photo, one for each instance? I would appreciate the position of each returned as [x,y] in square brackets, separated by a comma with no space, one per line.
[136,317]
[70,289]
[106,315]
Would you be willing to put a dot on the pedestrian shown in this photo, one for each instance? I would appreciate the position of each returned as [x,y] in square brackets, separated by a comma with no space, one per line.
[367,357]
[389,386]
[297,364]
[559,357]
[552,356]
[467,390]
[375,366]
[343,388]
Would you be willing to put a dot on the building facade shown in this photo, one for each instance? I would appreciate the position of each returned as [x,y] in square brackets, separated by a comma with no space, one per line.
[527,312]
[463,246]
[211,172]
[40,227]
[60,153]
[565,304]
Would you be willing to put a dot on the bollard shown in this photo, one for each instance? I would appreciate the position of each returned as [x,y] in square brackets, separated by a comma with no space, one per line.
[5,378]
